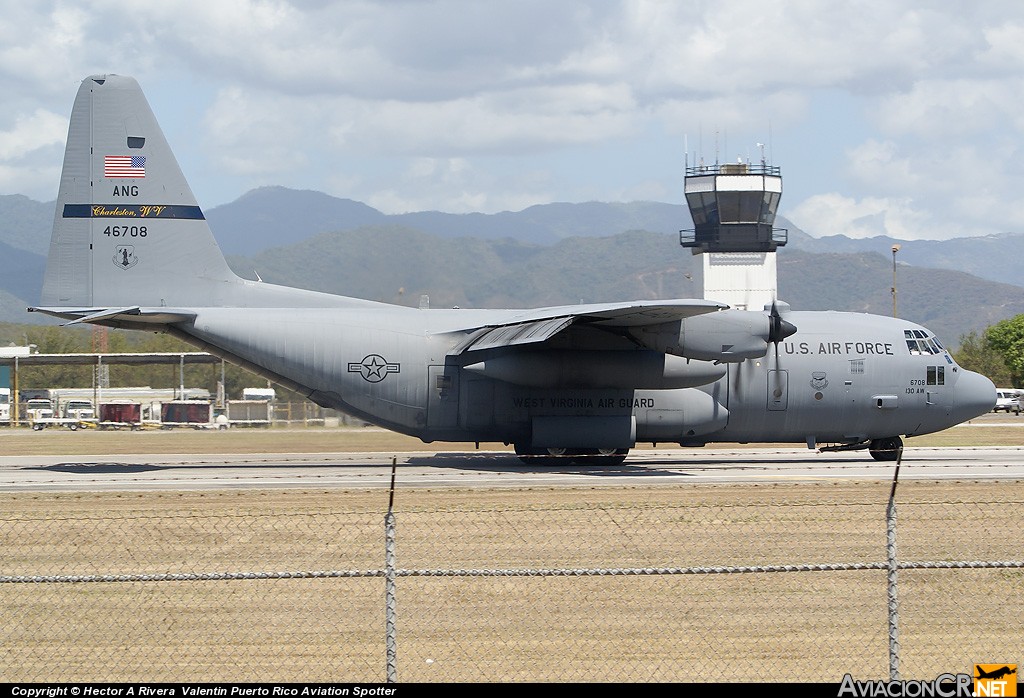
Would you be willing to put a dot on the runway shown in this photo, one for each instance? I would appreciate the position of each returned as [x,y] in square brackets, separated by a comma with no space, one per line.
[475,469]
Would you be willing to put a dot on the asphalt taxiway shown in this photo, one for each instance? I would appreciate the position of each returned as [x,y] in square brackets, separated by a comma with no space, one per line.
[469,469]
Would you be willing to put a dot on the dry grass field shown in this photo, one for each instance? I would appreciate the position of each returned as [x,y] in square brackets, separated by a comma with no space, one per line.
[811,626]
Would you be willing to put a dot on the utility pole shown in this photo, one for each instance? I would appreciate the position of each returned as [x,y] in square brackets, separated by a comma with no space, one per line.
[895,249]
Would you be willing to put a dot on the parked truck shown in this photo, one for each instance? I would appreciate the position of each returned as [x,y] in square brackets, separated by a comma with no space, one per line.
[81,410]
[41,415]
[38,408]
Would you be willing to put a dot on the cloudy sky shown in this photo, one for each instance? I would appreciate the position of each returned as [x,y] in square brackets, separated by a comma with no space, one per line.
[886,117]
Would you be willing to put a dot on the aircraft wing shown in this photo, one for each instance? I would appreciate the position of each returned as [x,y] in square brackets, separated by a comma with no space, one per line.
[534,326]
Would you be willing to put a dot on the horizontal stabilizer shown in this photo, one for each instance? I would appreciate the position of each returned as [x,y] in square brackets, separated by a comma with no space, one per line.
[104,314]
[130,316]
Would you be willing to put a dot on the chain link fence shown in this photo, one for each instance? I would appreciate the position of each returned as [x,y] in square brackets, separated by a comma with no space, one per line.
[782,582]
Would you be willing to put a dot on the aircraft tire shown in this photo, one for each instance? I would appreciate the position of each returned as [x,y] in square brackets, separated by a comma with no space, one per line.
[603,456]
[544,456]
[886,449]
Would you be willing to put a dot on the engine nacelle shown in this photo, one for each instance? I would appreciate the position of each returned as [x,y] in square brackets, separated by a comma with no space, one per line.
[627,370]
[667,416]
[680,415]
[725,336]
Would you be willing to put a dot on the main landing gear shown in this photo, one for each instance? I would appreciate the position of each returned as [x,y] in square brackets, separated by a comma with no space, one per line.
[565,456]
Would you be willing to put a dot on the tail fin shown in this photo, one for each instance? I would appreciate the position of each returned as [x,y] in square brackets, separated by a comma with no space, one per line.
[127,229]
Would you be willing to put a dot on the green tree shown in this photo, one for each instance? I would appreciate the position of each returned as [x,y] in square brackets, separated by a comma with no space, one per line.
[976,354]
[1007,339]
[57,340]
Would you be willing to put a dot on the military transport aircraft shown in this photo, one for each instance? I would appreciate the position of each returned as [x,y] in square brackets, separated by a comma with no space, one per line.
[131,248]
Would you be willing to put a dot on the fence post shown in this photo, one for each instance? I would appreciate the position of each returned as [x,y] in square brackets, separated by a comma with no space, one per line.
[390,642]
[894,615]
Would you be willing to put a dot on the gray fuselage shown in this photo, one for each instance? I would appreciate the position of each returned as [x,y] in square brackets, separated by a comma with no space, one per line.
[842,378]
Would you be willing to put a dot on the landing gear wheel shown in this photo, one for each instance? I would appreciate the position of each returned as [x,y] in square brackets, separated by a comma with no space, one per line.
[603,456]
[544,456]
[886,449]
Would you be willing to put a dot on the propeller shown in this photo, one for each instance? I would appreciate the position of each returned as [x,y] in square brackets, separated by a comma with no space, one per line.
[778,329]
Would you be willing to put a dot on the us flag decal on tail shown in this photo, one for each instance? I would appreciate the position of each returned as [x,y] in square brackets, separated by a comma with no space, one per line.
[124,166]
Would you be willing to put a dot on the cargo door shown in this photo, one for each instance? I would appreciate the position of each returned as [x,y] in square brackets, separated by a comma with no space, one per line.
[442,396]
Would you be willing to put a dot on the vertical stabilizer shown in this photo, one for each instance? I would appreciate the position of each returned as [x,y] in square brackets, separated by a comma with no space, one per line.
[127,229]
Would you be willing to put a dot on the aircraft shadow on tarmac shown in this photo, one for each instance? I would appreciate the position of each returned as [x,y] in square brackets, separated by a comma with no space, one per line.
[478,462]
[496,463]
[110,468]
[97,468]
[649,467]
[485,462]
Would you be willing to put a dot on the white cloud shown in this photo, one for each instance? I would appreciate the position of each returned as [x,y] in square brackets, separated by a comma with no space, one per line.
[39,42]
[29,133]
[254,134]
[834,214]
[955,189]
[344,95]
[457,186]
[939,109]
[30,154]
[510,121]
[39,182]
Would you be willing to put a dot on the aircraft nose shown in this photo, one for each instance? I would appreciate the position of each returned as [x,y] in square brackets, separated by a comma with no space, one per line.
[974,396]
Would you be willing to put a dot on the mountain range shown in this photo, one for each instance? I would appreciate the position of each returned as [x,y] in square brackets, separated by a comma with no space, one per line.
[551,254]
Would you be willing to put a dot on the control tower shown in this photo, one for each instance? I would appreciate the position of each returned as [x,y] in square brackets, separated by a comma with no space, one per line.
[733,207]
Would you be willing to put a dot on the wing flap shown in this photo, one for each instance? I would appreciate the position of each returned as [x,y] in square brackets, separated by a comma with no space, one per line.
[511,335]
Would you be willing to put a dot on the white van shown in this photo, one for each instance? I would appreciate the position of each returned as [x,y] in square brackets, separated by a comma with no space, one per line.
[1007,399]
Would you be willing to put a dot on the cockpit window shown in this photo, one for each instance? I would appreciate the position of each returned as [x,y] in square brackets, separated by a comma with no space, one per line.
[919,343]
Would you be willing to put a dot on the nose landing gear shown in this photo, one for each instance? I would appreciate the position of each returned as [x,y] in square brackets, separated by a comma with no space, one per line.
[888,449]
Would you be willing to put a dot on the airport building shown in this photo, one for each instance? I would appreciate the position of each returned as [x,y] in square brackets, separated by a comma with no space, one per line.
[733,208]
